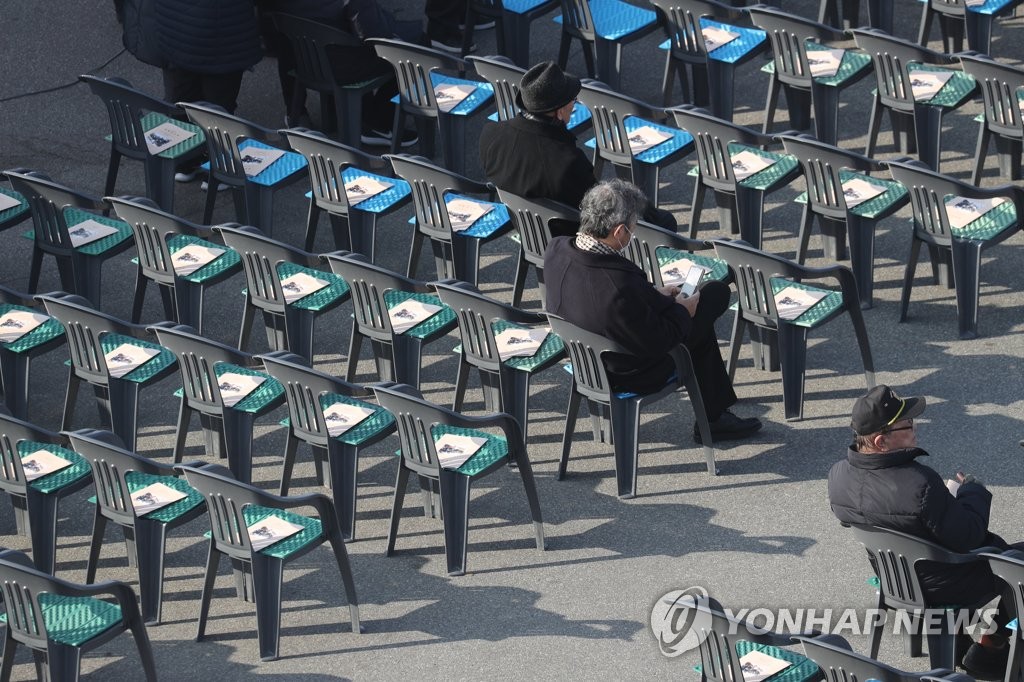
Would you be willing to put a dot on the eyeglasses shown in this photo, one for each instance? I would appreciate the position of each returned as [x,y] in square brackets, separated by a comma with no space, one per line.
[908,427]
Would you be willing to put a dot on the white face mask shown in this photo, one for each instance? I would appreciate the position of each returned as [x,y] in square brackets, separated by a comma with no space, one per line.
[622,247]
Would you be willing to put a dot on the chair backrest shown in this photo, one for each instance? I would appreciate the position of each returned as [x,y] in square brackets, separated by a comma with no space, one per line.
[533,219]
[642,249]
[313,43]
[504,75]
[821,163]
[890,57]
[369,283]
[413,64]
[1010,569]
[610,110]
[224,132]
[585,349]
[21,586]
[952,8]
[787,34]
[260,257]
[197,360]
[327,160]
[712,137]
[1000,84]
[85,328]
[839,664]
[126,106]
[429,185]
[12,431]
[226,498]
[681,21]
[151,227]
[577,20]
[474,313]
[111,463]
[753,271]
[303,387]
[47,201]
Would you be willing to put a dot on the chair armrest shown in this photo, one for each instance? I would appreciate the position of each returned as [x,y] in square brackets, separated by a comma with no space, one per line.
[317,501]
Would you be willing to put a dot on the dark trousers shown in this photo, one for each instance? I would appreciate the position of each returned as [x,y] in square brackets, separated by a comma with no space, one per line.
[444,16]
[216,88]
[708,366]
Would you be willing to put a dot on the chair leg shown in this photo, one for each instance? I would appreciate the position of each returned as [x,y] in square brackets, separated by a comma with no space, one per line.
[124,409]
[345,568]
[522,268]
[967,281]
[181,430]
[407,353]
[355,342]
[926,25]
[697,206]
[140,296]
[771,103]
[908,277]
[861,234]
[344,468]
[267,577]
[42,519]
[99,526]
[793,350]
[401,483]
[14,372]
[738,326]
[7,662]
[238,428]
[212,561]
[290,448]
[149,552]
[874,125]
[63,661]
[860,330]
[112,167]
[530,485]
[312,218]
[454,489]
[806,223]
[70,398]
[461,380]
[980,152]
[569,430]
[625,415]
[35,269]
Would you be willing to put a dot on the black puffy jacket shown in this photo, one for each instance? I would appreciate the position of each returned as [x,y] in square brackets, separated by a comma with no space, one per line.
[892,490]
[208,36]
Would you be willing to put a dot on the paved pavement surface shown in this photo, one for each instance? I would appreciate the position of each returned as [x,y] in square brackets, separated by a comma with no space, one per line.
[758,535]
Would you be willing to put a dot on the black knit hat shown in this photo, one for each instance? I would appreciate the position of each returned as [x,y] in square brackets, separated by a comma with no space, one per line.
[545,88]
[881,408]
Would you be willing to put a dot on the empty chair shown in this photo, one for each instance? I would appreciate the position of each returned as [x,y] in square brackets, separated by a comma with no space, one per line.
[115,357]
[180,257]
[249,526]
[36,501]
[421,76]
[142,497]
[513,18]
[772,292]
[957,221]
[602,27]
[285,284]
[794,42]
[244,157]
[536,221]
[145,128]
[455,239]
[901,67]
[712,63]
[842,664]
[622,409]
[1000,86]
[421,427]
[845,200]
[317,47]
[333,170]
[1010,569]
[66,225]
[329,415]
[655,250]
[731,162]
[957,17]
[228,390]
[379,296]
[59,620]
[488,328]
[629,134]
[25,333]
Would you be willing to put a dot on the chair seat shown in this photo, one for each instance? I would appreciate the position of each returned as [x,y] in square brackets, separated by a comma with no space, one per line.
[820,312]
[989,7]
[437,325]
[223,264]
[876,207]
[767,179]
[381,420]
[336,289]
[43,334]
[748,43]
[378,203]
[154,119]
[73,621]
[626,395]
[521,6]
[802,670]
[678,143]
[486,226]
[491,452]
[58,479]
[956,91]
[719,268]
[138,480]
[74,216]
[287,165]
[312,530]
[481,95]
[986,226]
[152,369]
[549,352]
[15,214]
[854,64]
[615,20]
[265,397]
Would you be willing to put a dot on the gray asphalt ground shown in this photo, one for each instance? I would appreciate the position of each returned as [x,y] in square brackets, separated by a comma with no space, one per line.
[758,535]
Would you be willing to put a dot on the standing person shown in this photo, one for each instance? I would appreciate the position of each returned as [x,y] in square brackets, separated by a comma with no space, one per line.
[589,283]
[444,19]
[880,482]
[535,156]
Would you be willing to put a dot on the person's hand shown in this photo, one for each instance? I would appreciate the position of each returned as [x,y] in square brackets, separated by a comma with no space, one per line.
[962,478]
[689,302]
[669,291]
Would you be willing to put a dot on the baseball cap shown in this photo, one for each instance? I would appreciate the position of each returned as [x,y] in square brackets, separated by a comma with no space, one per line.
[881,408]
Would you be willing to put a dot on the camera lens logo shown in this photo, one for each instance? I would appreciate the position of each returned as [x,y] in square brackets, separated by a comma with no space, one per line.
[676,622]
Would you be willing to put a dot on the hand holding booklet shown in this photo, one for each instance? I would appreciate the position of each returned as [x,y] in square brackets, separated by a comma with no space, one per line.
[155,496]
[14,324]
[520,343]
[272,529]
[793,302]
[42,463]
[127,357]
[453,451]
[758,666]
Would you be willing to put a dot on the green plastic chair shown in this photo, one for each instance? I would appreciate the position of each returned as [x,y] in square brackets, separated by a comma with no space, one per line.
[60,620]
[16,356]
[234,508]
[118,475]
[841,664]
[36,503]
[420,424]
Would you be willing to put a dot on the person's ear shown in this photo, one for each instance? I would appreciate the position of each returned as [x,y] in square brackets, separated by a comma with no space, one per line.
[877,440]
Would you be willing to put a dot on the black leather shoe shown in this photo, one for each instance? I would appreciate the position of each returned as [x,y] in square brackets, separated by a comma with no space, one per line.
[729,427]
[986,663]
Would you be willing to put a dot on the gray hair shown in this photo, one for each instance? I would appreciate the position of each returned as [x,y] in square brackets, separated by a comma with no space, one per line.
[611,203]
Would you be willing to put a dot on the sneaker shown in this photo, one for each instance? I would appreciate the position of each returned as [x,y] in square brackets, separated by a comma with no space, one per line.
[480,24]
[986,663]
[382,138]
[729,427]
[220,188]
[186,175]
[450,42]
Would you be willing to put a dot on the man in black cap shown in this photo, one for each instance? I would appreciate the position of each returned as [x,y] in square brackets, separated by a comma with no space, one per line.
[535,156]
[881,483]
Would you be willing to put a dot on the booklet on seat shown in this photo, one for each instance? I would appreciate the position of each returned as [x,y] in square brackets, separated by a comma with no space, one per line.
[961,211]
[42,463]
[520,343]
[362,188]
[7,201]
[155,496]
[792,302]
[340,417]
[270,530]
[758,666]
[165,136]
[14,324]
[301,285]
[234,387]
[453,451]
[89,231]
[127,357]
[192,257]
[462,213]
[645,137]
